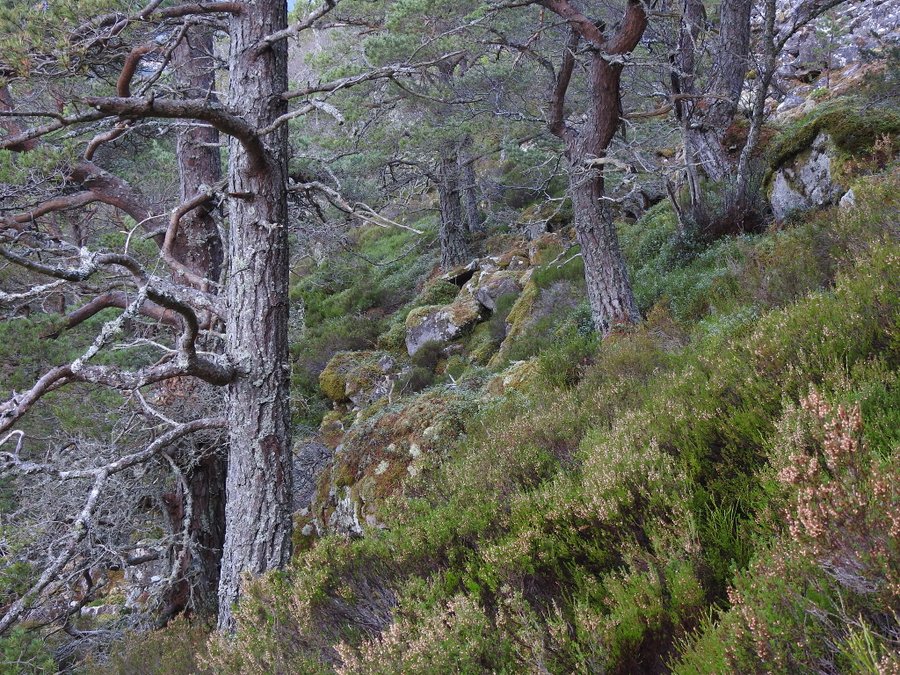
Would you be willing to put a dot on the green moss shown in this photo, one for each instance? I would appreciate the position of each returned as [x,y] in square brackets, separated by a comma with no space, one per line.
[394,338]
[437,293]
[481,344]
[348,373]
[415,318]
[852,126]
[516,321]
[569,268]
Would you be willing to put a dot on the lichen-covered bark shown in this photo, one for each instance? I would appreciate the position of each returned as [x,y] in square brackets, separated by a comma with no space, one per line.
[709,115]
[609,289]
[258,487]
[198,245]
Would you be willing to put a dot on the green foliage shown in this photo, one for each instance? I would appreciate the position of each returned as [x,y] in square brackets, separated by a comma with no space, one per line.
[417,379]
[24,651]
[178,649]
[627,510]
[570,268]
[608,509]
[346,300]
[428,355]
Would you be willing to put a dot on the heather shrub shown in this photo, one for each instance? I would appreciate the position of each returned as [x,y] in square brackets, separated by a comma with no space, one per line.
[822,597]
[177,649]
[452,636]
[621,514]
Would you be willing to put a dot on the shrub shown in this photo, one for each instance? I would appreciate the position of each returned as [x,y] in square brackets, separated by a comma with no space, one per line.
[428,356]
[24,651]
[415,380]
[626,513]
[177,649]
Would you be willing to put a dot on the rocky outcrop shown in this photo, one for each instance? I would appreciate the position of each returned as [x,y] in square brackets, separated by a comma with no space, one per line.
[843,36]
[359,377]
[494,286]
[517,321]
[441,324]
[311,457]
[806,181]
[516,377]
[380,452]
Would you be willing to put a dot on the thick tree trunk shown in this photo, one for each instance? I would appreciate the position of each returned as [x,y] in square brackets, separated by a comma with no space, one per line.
[710,118]
[683,77]
[454,244]
[609,289]
[198,247]
[469,188]
[258,489]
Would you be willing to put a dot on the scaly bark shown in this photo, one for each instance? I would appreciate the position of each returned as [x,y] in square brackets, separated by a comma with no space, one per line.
[258,486]
[454,244]
[609,289]
[198,247]
[710,115]
[469,187]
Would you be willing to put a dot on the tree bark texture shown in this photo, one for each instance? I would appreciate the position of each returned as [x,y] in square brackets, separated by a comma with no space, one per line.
[606,275]
[198,245]
[711,115]
[453,237]
[258,486]
[469,188]
[609,288]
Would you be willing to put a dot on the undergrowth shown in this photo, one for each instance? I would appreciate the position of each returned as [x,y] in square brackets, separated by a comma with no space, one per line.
[711,491]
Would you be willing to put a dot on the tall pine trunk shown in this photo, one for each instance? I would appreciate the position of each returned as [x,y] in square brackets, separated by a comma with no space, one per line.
[469,187]
[198,247]
[609,289]
[258,487]
[453,236]
[712,112]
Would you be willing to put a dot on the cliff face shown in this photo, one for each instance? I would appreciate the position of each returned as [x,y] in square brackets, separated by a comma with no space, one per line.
[833,54]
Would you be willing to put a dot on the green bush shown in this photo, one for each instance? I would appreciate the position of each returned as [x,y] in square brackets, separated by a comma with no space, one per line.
[24,651]
[177,649]
[428,355]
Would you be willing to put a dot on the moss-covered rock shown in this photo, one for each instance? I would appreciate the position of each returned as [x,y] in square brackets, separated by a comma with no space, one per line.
[438,292]
[807,181]
[440,323]
[517,321]
[488,287]
[517,377]
[380,452]
[360,377]
[851,126]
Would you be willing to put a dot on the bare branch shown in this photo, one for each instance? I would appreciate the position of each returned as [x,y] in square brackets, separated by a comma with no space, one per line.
[82,525]
[198,109]
[298,27]
[557,122]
